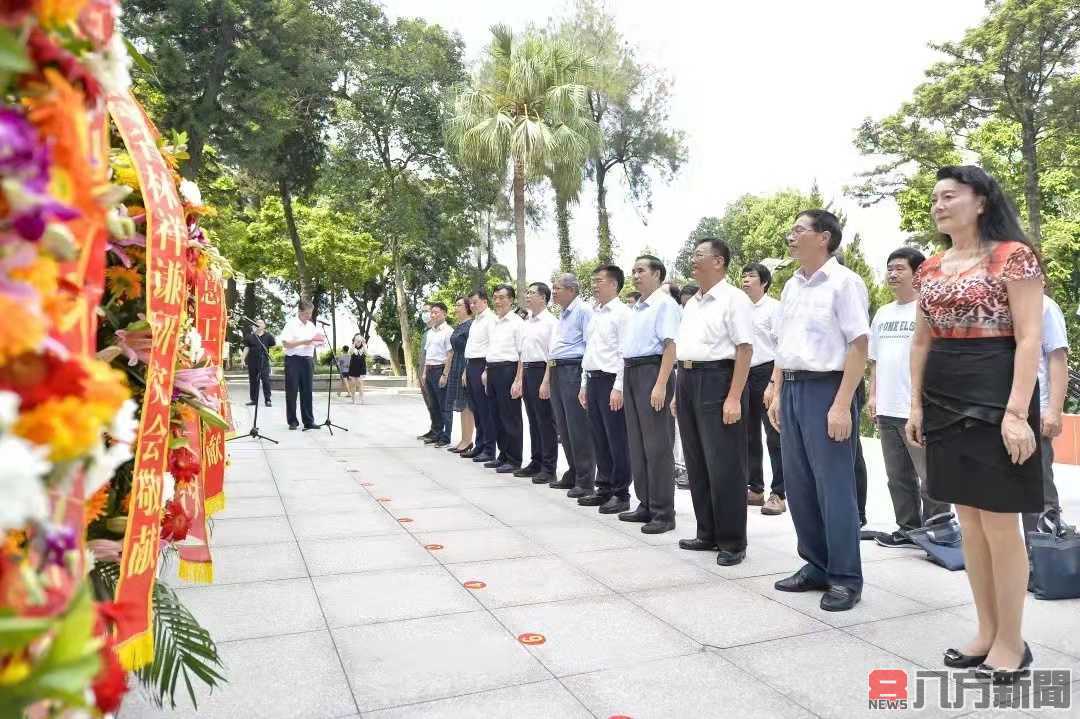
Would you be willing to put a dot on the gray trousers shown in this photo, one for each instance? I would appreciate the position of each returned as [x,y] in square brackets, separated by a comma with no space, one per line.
[1050,493]
[905,467]
[575,435]
[650,438]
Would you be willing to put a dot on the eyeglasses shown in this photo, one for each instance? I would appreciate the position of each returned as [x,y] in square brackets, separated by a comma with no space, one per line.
[798,231]
[698,255]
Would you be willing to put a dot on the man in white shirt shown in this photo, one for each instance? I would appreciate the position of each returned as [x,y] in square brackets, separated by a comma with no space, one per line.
[436,347]
[601,392]
[889,401]
[433,424]
[715,346]
[502,375]
[648,350]
[300,338]
[820,358]
[535,352]
[756,279]
[476,349]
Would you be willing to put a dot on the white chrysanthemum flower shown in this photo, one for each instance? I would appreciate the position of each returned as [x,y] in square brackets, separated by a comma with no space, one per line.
[168,487]
[9,408]
[125,425]
[112,65]
[190,192]
[195,346]
[22,467]
[103,465]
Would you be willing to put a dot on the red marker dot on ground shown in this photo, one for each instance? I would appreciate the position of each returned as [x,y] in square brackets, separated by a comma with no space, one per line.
[367,484]
[405,520]
[432,547]
[474,584]
[383,499]
[531,638]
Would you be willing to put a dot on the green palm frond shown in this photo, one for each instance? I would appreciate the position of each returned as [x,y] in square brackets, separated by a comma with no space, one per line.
[183,649]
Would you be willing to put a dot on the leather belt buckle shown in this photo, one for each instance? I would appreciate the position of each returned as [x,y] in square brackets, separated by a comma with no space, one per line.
[688,364]
[789,375]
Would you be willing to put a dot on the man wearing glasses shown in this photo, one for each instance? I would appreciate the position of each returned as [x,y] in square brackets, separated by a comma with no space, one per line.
[535,347]
[823,329]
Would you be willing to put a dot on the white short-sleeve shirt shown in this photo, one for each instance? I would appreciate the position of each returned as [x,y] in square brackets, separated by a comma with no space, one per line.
[819,317]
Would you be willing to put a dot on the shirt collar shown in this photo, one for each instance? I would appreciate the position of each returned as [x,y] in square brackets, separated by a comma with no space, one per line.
[606,306]
[823,273]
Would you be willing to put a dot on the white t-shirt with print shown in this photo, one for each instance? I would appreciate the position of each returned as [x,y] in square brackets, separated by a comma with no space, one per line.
[890,347]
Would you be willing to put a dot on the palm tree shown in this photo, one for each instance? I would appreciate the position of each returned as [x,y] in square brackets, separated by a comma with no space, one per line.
[526,107]
[566,180]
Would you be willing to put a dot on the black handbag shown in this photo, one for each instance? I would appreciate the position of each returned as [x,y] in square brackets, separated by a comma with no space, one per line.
[940,538]
[1055,558]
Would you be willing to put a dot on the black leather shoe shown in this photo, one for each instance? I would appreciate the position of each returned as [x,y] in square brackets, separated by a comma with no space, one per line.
[441,443]
[1007,676]
[697,545]
[840,599]
[492,464]
[529,470]
[506,468]
[294,426]
[728,558]
[310,426]
[463,450]
[594,500]
[638,515]
[957,660]
[543,478]
[425,435]
[250,404]
[798,582]
[614,505]
[577,493]
[431,440]
[482,458]
[470,453]
[269,403]
[561,484]
[657,527]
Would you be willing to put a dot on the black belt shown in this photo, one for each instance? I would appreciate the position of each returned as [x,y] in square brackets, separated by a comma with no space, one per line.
[647,359]
[568,362]
[791,375]
[496,365]
[476,360]
[707,364]
[534,365]
[435,366]
[599,373]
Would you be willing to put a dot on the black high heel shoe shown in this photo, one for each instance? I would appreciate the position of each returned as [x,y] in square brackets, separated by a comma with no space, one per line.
[466,448]
[957,660]
[1007,676]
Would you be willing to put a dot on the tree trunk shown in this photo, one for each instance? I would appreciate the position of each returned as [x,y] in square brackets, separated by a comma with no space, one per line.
[603,229]
[562,219]
[519,223]
[393,349]
[207,106]
[403,318]
[490,245]
[1031,180]
[298,249]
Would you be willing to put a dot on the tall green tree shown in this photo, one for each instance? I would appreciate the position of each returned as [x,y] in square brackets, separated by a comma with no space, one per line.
[525,107]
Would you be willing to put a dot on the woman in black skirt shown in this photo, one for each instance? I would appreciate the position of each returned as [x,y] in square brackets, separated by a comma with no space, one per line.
[453,375]
[357,368]
[975,404]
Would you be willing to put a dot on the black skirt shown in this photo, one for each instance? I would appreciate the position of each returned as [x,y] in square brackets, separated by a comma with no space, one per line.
[357,365]
[965,389]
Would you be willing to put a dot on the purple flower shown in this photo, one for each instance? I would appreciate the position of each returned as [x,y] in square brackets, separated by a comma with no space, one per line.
[195,382]
[59,540]
[21,152]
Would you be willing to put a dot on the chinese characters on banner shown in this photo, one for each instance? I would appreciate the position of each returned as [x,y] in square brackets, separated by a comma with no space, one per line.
[196,565]
[210,322]
[166,236]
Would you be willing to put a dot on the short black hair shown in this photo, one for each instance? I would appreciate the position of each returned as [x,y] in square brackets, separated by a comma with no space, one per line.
[913,257]
[505,288]
[655,264]
[825,221]
[688,291]
[675,291]
[542,289]
[719,248]
[440,305]
[614,272]
[479,293]
[762,272]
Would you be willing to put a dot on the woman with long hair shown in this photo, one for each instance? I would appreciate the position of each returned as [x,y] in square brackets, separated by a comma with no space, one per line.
[357,368]
[454,374]
[974,402]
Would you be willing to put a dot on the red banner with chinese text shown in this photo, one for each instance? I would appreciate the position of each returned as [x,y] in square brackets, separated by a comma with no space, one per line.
[166,290]
[196,564]
[210,322]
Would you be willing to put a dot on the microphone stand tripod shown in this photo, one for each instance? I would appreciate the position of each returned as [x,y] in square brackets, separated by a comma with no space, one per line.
[254,432]
[330,392]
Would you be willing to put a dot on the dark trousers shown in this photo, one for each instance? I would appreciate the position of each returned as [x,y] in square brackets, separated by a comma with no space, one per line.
[651,441]
[437,402]
[544,449]
[609,438]
[575,430]
[756,418]
[905,467]
[485,425]
[505,411]
[1050,493]
[819,476]
[299,378]
[259,373]
[860,461]
[716,455]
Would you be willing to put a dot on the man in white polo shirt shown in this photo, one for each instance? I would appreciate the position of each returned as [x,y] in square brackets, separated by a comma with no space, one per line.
[535,353]
[502,375]
[476,348]
[436,347]
[300,338]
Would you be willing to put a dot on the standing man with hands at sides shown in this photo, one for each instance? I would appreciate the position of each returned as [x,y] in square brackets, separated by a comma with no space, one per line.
[648,350]
[300,338]
[820,357]
[436,348]
[476,348]
[257,358]
[503,377]
[535,347]
[601,395]
[889,400]
[715,345]
[563,381]
[756,279]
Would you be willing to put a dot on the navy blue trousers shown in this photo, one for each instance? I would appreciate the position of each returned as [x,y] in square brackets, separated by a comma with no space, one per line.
[819,477]
[609,438]
[486,432]
[440,418]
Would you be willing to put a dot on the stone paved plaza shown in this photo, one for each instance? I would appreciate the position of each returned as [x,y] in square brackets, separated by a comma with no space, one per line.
[341,566]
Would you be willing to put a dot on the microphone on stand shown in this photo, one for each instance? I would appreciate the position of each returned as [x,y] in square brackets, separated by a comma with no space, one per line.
[323,323]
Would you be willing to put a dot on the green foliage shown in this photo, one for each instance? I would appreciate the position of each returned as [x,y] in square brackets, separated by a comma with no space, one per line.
[460,283]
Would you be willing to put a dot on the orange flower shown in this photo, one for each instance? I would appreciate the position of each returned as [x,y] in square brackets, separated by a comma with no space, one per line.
[68,426]
[43,274]
[124,283]
[58,13]
[21,329]
[105,389]
[95,503]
